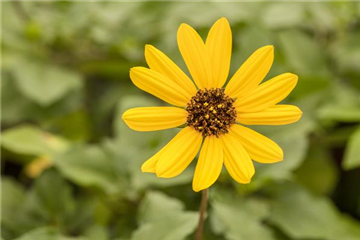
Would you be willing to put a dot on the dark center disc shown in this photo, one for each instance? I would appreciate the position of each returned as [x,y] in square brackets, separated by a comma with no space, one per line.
[211,112]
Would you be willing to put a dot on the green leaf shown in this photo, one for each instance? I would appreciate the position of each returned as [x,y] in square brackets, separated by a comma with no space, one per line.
[53,197]
[74,126]
[346,52]
[13,109]
[19,109]
[30,140]
[340,113]
[303,216]
[283,15]
[163,218]
[44,83]
[155,205]
[308,174]
[96,232]
[12,199]
[40,234]
[303,53]
[89,166]
[352,151]
[241,219]
[343,104]
[46,233]
[13,196]
[322,18]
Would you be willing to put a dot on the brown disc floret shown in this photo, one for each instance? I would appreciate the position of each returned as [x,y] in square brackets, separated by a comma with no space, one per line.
[211,112]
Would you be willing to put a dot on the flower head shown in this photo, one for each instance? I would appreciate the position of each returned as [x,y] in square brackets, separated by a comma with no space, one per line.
[214,116]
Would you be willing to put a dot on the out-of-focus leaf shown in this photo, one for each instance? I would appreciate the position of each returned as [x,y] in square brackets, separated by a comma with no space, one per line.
[282,15]
[12,198]
[308,174]
[19,108]
[28,139]
[46,233]
[44,83]
[40,234]
[309,85]
[241,220]
[102,214]
[303,54]
[346,52]
[96,232]
[322,17]
[54,197]
[235,12]
[343,104]
[13,109]
[352,152]
[74,126]
[340,113]
[163,218]
[303,216]
[12,28]
[89,166]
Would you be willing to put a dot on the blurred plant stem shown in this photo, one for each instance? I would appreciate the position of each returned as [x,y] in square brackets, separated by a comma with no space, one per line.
[202,210]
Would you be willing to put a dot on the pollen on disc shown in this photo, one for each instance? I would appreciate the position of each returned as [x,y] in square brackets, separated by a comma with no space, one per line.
[211,112]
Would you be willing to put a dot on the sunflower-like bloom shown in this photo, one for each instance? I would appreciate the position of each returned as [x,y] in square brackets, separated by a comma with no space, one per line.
[214,117]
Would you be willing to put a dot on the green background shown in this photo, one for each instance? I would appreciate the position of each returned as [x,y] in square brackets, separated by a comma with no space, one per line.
[65,84]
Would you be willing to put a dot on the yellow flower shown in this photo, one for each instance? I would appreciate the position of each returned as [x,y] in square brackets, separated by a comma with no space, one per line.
[213,116]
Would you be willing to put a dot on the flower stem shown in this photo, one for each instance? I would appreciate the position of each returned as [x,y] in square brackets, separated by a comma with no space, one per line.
[203,206]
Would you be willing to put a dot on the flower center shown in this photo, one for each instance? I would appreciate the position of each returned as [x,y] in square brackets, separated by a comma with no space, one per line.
[211,112]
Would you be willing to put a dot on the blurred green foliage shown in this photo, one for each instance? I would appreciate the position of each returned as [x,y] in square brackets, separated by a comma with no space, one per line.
[71,168]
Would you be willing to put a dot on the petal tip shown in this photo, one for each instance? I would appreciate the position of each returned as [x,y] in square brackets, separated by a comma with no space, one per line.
[224,19]
[123,116]
[268,48]
[183,26]
[145,169]
[196,189]
[149,47]
[292,76]
[134,69]
[161,174]
[159,171]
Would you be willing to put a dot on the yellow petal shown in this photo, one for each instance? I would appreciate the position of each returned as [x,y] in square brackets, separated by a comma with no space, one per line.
[251,73]
[259,147]
[274,115]
[159,62]
[193,51]
[209,165]
[160,86]
[150,164]
[236,160]
[154,118]
[218,45]
[179,154]
[267,94]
